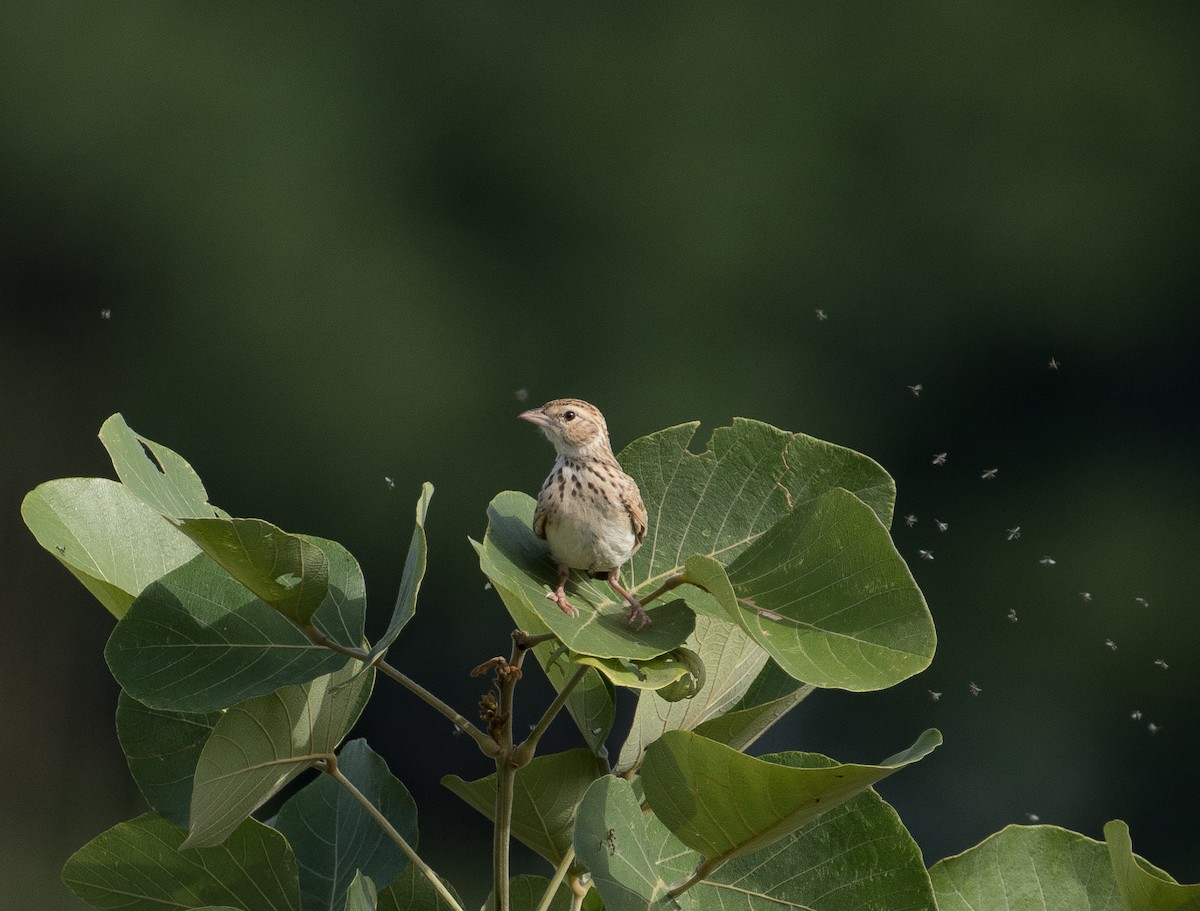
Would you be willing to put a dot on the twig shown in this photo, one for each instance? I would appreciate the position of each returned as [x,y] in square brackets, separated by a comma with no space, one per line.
[485,743]
[560,873]
[524,752]
[329,766]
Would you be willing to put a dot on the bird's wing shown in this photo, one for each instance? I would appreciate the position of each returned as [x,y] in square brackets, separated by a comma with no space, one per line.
[539,518]
[631,499]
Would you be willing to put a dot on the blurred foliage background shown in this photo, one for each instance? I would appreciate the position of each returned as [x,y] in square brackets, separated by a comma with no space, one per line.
[310,248]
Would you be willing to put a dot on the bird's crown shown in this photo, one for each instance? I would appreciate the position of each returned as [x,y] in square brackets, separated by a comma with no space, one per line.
[575,427]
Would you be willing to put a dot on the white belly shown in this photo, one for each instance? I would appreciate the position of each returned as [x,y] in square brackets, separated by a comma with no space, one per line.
[591,543]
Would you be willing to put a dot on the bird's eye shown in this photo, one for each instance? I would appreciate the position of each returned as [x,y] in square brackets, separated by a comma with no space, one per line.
[568,415]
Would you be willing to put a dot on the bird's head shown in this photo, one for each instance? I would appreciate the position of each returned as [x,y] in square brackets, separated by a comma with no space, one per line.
[575,427]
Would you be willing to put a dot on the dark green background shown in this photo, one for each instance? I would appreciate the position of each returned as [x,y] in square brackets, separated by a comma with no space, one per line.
[336,243]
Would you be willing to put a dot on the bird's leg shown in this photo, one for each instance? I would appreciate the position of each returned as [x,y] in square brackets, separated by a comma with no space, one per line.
[636,611]
[559,595]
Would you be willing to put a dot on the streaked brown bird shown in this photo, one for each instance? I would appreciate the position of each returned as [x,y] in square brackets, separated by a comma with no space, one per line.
[589,511]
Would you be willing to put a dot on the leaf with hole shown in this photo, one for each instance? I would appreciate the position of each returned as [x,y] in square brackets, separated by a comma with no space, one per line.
[154,473]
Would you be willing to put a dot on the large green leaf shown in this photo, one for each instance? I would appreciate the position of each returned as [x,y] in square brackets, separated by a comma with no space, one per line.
[410,581]
[138,866]
[261,744]
[1028,868]
[721,500]
[612,841]
[1142,885]
[825,592]
[286,571]
[732,661]
[110,540]
[520,567]
[151,471]
[740,729]
[162,749]
[333,835]
[857,856]
[723,803]
[196,641]
[545,796]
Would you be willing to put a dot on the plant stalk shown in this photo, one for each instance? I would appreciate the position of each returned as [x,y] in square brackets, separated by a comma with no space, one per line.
[560,873]
[329,766]
[485,743]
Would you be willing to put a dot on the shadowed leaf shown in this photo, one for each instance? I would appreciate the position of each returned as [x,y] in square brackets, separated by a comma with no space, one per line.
[138,866]
[261,744]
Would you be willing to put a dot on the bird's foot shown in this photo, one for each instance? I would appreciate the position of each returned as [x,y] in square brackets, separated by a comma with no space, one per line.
[638,614]
[559,597]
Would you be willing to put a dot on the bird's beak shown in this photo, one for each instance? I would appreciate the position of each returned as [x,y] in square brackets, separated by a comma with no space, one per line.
[535,416]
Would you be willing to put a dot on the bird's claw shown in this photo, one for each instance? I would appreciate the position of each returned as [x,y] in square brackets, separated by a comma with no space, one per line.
[560,598]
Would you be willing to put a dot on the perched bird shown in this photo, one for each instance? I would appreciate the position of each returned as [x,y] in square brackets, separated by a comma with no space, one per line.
[589,511]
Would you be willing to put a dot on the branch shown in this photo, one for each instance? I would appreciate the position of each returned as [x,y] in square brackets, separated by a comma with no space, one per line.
[560,873]
[329,766]
[701,873]
[485,743]
[524,752]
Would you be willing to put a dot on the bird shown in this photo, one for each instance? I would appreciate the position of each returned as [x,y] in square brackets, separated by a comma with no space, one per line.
[589,511]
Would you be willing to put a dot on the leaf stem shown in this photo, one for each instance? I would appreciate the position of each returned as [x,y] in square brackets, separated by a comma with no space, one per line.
[560,873]
[485,743]
[672,582]
[702,872]
[329,766]
[524,752]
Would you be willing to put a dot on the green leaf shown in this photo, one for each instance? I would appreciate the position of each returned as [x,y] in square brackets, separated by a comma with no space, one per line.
[612,841]
[342,615]
[740,729]
[138,866]
[856,856]
[650,674]
[261,744]
[360,895]
[110,540]
[750,476]
[411,891]
[1023,868]
[162,749]
[286,571]
[410,581]
[333,835]
[591,704]
[732,661]
[520,567]
[196,641]
[723,803]
[525,893]
[151,471]
[827,594]
[545,796]
[1143,886]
